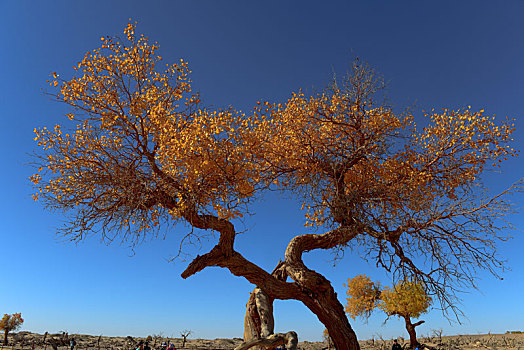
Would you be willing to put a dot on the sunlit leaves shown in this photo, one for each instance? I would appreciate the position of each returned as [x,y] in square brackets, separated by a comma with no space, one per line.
[144,151]
[12,322]
[363,296]
[406,299]
[348,157]
[143,146]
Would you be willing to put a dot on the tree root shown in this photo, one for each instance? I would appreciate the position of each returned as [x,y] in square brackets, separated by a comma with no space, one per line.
[290,339]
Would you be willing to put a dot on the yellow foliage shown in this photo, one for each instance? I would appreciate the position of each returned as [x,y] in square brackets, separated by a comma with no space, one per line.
[332,148]
[406,299]
[140,131]
[363,296]
[145,150]
[12,322]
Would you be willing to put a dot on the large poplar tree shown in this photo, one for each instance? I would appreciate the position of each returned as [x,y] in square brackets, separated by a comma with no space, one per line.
[146,154]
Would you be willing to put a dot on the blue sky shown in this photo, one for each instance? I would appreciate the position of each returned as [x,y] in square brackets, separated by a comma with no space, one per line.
[440,54]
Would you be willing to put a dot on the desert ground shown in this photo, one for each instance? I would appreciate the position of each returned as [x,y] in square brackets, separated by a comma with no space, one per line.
[28,341]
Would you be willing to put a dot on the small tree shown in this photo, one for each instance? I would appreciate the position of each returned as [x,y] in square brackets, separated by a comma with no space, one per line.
[407,299]
[10,323]
[184,334]
[156,338]
[327,338]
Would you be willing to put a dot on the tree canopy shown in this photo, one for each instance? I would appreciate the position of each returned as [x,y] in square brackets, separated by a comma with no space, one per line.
[145,153]
[407,299]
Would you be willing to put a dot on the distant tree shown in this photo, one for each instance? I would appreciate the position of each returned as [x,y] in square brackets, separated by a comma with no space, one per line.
[184,334]
[156,338]
[146,154]
[10,323]
[407,299]
[327,338]
[363,296]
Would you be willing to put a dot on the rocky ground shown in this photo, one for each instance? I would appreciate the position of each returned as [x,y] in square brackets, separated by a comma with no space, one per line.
[29,341]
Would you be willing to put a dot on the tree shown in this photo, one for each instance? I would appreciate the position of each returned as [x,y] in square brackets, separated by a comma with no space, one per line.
[10,323]
[184,334]
[146,154]
[407,299]
[327,338]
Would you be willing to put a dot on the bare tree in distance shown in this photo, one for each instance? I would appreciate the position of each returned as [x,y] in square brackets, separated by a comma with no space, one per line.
[184,334]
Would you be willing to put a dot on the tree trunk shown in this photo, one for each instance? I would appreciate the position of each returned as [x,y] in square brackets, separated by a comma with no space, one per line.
[308,286]
[317,292]
[259,322]
[410,327]
[5,337]
[330,312]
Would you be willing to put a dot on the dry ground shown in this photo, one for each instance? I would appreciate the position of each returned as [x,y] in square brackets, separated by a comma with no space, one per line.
[28,341]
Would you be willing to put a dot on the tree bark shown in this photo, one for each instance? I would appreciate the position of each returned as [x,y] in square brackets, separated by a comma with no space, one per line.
[258,321]
[330,312]
[410,327]
[5,337]
[317,293]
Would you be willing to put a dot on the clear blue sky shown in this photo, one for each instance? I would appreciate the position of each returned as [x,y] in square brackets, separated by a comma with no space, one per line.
[434,53]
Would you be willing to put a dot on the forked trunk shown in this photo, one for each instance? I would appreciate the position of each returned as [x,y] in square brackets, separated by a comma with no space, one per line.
[410,327]
[317,293]
[308,286]
[258,321]
[413,343]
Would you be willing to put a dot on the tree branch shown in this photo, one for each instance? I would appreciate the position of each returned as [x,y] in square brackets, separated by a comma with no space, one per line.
[418,323]
[240,266]
[296,268]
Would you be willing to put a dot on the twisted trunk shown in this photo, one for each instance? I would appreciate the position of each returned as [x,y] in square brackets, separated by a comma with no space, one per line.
[317,293]
[308,286]
[258,321]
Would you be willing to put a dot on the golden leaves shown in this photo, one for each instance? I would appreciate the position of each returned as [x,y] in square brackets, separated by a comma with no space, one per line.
[308,138]
[143,128]
[132,118]
[405,299]
[11,322]
[363,296]
[454,150]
